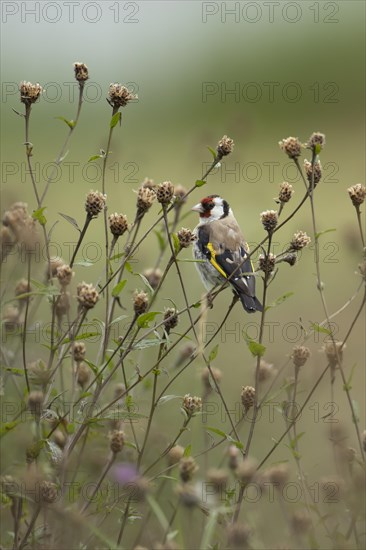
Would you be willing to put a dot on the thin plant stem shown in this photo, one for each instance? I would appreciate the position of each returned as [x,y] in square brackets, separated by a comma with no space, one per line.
[24,334]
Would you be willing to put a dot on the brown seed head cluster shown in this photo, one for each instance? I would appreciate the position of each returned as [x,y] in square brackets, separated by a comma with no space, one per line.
[149,184]
[218,477]
[300,522]
[285,193]
[140,301]
[357,194]
[55,262]
[29,93]
[188,495]
[35,402]
[62,305]
[247,397]
[300,354]
[81,72]
[64,275]
[95,203]
[278,475]
[118,224]
[38,372]
[180,195]
[334,352]
[246,470]
[12,318]
[165,192]
[316,142]
[238,535]
[9,486]
[291,146]
[87,295]
[119,96]
[175,454]
[269,220]
[308,167]
[224,147]
[22,287]
[170,318]
[82,374]
[299,241]
[48,492]
[289,259]
[186,237]
[22,228]
[207,378]
[79,351]
[233,457]
[266,371]
[267,263]
[192,405]
[145,199]
[117,441]
[187,468]
[153,275]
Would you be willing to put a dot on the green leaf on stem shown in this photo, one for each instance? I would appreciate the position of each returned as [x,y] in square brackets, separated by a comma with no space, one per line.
[224,435]
[144,319]
[167,398]
[200,183]
[213,152]
[317,235]
[39,216]
[71,220]
[148,343]
[317,328]
[115,119]
[83,263]
[176,243]
[348,384]
[117,256]
[213,353]
[8,426]
[82,336]
[255,348]
[95,157]
[128,266]
[160,240]
[70,123]
[280,300]
[118,288]
[187,451]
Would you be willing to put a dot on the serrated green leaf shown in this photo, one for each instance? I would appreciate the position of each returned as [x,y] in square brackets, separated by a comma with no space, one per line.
[255,348]
[317,235]
[176,243]
[118,288]
[39,216]
[318,328]
[144,319]
[95,157]
[70,123]
[200,183]
[115,119]
[71,220]
[213,353]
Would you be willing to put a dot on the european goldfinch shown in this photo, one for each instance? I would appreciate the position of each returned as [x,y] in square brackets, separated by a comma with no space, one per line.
[220,243]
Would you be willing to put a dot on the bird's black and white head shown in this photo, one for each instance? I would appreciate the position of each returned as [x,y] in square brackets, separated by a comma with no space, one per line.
[212,208]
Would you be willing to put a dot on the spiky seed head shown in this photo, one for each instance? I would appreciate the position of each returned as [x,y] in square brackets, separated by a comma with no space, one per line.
[185,237]
[224,147]
[175,454]
[334,352]
[291,146]
[357,194]
[300,354]
[117,441]
[269,219]
[285,193]
[247,397]
[38,372]
[29,93]
[140,301]
[149,184]
[145,199]
[22,287]
[119,96]
[64,275]
[82,374]
[308,167]
[118,224]
[267,263]
[170,318]
[316,142]
[180,195]
[187,468]
[191,405]
[165,192]
[78,351]
[299,240]
[95,203]
[207,378]
[246,470]
[55,263]
[87,295]
[81,71]
[153,275]
[48,492]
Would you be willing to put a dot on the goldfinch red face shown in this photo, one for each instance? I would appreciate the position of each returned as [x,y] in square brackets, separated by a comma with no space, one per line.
[212,208]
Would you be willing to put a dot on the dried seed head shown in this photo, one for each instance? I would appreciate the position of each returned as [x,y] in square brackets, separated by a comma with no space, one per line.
[118,224]
[266,371]
[11,317]
[185,237]
[309,171]
[269,220]
[35,402]
[289,259]
[188,495]
[246,470]
[175,454]
[29,93]
[95,203]
[7,242]
[300,522]
[78,351]
[285,193]
[300,354]
[238,535]
[224,147]
[334,352]
[87,295]
[81,72]
[153,275]
[38,372]
[140,301]
[191,405]
[119,96]
[170,318]
[48,492]
[82,374]
[207,378]
[165,192]
[233,457]
[316,142]
[267,263]
[291,146]
[117,441]
[149,184]
[22,287]
[299,241]
[64,275]
[180,196]
[140,489]
[357,194]
[62,305]
[22,225]
[218,477]
[247,397]
[278,475]
[145,199]
[187,467]
[55,263]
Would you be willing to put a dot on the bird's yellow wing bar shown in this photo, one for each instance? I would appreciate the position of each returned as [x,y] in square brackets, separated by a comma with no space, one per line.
[213,260]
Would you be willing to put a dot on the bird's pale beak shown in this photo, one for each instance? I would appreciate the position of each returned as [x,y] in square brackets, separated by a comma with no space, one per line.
[198,208]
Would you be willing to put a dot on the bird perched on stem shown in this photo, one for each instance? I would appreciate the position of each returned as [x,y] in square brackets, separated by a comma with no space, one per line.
[220,243]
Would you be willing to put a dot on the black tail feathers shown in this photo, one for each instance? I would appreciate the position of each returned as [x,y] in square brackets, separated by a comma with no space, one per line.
[250,304]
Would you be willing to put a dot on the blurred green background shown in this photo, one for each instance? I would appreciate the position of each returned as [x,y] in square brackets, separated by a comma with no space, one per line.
[295,70]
